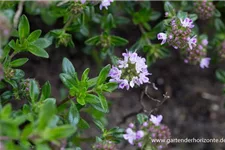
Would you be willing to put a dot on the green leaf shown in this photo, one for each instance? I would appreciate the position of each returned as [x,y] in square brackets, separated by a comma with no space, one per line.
[19,62]
[42,146]
[37,51]
[142,118]
[6,95]
[67,67]
[219,25]
[110,23]
[182,15]
[220,75]
[24,27]
[93,40]
[93,99]
[19,74]
[92,82]
[85,75]
[99,125]
[67,80]
[46,91]
[103,102]
[103,75]
[34,90]
[42,43]
[73,115]
[193,17]
[13,45]
[83,124]
[118,41]
[46,114]
[64,131]
[81,100]
[111,86]
[34,36]
[217,13]
[169,8]
[9,129]
[6,111]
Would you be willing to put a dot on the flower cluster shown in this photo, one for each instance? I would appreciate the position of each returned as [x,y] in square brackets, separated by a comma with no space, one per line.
[151,129]
[130,71]
[105,3]
[204,9]
[133,137]
[105,145]
[198,54]
[5,28]
[179,34]
[222,50]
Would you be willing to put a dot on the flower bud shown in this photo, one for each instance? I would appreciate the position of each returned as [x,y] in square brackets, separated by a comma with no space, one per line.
[204,9]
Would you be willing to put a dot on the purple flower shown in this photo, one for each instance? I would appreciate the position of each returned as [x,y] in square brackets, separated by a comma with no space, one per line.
[105,3]
[124,84]
[205,42]
[156,119]
[145,124]
[130,136]
[187,23]
[115,73]
[192,41]
[131,125]
[130,71]
[134,81]
[83,1]
[139,144]
[205,62]
[139,134]
[163,37]
[143,78]
[123,64]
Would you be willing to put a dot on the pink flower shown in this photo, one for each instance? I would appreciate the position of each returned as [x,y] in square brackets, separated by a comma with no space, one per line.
[192,41]
[130,136]
[156,119]
[187,23]
[163,37]
[205,62]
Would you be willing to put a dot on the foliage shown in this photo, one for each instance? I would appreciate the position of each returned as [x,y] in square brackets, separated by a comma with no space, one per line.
[43,122]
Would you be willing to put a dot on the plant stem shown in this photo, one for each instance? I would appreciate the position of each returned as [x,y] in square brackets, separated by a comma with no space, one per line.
[18,14]
[144,32]
[65,100]
[68,23]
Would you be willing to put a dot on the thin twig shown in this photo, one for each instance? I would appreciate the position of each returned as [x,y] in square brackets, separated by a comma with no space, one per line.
[165,97]
[18,14]
[124,119]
